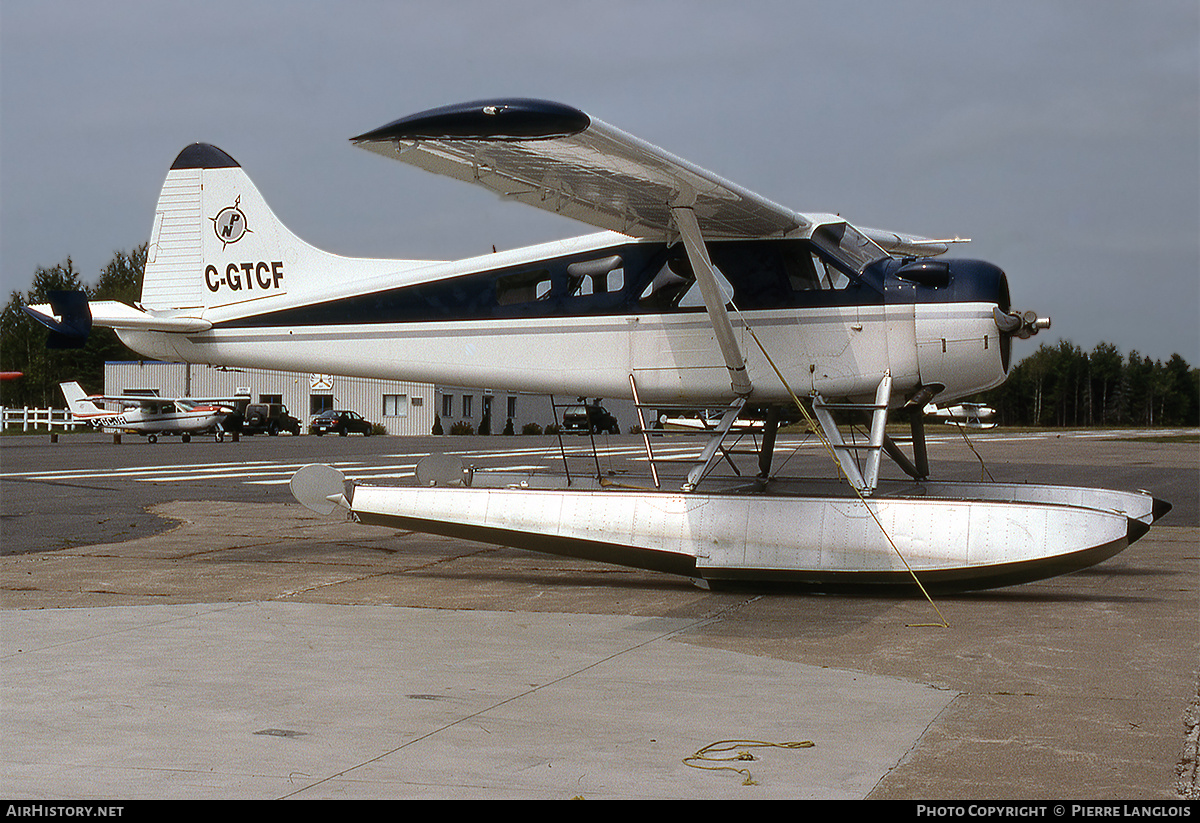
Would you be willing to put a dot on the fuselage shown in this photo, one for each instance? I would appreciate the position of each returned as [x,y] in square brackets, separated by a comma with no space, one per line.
[580,317]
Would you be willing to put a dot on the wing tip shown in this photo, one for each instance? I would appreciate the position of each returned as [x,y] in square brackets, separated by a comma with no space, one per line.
[497,119]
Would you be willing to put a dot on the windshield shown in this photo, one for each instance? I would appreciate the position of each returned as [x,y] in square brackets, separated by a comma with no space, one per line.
[845,243]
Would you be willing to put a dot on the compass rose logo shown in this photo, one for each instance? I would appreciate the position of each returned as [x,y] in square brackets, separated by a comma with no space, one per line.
[230,223]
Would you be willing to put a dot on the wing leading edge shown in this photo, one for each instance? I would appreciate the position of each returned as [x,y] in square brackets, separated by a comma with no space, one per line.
[557,158]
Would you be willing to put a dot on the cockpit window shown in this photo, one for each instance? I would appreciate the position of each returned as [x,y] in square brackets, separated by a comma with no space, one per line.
[754,273]
[843,242]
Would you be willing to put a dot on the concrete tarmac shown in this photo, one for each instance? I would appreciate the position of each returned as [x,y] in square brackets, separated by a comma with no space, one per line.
[244,647]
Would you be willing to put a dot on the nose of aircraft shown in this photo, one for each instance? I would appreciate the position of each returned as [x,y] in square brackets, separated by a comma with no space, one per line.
[1022,324]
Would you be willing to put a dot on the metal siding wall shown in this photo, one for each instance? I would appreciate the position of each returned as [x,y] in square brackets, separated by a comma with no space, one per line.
[362,395]
[357,394]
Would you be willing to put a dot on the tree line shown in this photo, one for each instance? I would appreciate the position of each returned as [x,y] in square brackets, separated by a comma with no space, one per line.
[1057,385]
[1062,385]
[23,339]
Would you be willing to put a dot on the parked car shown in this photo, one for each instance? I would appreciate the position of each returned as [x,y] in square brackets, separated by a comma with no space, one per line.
[590,418]
[340,421]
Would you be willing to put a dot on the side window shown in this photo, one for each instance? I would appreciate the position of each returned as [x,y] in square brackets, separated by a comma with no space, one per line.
[526,287]
[807,271]
[596,276]
[830,276]
[671,281]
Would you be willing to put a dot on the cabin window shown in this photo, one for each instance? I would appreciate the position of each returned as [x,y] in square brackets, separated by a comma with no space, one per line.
[671,281]
[526,287]
[612,281]
[601,276]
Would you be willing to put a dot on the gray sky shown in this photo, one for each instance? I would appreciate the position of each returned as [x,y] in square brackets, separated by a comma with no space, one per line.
[1062,137]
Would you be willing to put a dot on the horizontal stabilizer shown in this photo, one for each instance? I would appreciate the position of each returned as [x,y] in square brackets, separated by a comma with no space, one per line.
[63,319]
[69,319]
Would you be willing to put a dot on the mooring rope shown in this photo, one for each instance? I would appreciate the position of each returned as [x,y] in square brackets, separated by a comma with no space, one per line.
[829,448]
[705,755]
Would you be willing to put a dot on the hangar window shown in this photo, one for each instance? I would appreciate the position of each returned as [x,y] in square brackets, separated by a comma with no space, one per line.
[395,405]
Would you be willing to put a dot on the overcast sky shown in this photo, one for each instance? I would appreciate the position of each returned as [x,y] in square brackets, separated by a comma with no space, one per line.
[1062,137]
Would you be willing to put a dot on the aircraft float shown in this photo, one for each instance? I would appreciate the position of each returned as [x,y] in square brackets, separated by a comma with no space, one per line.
[151,416]
[696,292]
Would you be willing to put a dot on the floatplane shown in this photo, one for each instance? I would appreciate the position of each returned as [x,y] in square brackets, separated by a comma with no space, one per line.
[695,293]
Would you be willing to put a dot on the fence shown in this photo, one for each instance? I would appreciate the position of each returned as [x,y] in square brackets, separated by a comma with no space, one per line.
[38,418]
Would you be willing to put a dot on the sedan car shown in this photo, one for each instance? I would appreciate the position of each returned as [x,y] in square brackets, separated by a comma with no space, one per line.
[340,421]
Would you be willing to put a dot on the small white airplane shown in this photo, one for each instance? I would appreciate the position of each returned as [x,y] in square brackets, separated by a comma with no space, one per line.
[149,415]
[697,293]
[970,415]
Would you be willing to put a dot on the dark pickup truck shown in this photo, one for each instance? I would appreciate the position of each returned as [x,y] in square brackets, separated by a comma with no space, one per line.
[592,418]
[256,418]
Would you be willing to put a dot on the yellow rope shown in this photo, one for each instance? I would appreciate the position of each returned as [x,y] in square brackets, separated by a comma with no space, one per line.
[721,746]
[829,448]
[984,473]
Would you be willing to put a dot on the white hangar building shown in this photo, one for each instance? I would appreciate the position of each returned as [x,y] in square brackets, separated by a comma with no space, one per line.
[402,408]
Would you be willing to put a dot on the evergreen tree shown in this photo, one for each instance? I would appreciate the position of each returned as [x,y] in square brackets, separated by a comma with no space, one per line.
[23,339]
[1061,386]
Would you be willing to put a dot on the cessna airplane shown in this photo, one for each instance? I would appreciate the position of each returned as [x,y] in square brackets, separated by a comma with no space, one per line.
[695,293]
[971,415]
[149,415]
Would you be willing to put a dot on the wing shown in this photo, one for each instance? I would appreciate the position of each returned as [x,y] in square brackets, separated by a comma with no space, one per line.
[557,158]
[129,401]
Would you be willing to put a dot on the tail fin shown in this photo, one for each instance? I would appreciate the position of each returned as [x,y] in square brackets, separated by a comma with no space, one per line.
[77,400]
[215,242]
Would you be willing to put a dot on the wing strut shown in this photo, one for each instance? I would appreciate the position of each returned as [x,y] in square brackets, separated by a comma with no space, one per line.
[693,241]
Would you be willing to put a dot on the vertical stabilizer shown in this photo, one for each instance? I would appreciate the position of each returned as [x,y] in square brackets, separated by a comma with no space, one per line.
[77,400]
[216,243]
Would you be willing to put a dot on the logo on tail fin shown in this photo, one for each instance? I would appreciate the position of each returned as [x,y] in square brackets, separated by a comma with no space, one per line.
[230,223]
